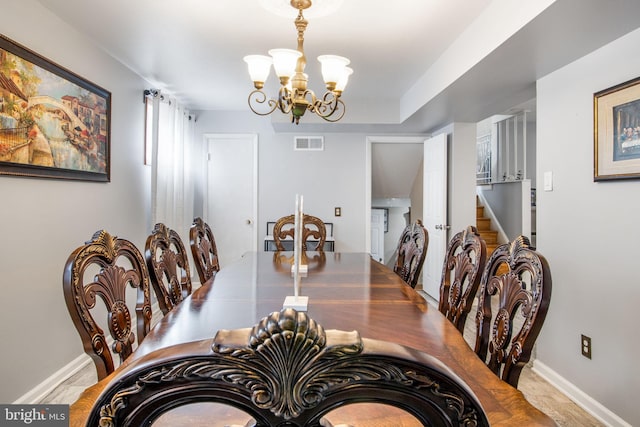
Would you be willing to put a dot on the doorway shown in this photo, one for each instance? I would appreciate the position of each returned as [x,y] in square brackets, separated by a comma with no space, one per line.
[435,212]
[423,187]
[391,169]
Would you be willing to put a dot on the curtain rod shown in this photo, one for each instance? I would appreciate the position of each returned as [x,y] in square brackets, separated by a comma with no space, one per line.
[152,92]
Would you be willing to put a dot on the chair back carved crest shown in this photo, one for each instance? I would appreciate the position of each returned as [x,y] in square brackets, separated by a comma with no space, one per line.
[411,252]
[461,273]
[287,370]
[102,269]
[312,228]
[168,266]
[513,300]
[204,250]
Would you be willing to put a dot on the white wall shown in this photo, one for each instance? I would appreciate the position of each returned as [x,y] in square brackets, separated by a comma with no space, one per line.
[42,220]
[327,179]
[417,197]
[510,202]
[461,176]
[531,152]
[589,233]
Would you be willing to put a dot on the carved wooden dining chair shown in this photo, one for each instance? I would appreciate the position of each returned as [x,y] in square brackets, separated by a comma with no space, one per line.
[461,273]
[204,250]
[288,370]
[168,266]
[514,295]
[411,252]
[103,269]
[313,228]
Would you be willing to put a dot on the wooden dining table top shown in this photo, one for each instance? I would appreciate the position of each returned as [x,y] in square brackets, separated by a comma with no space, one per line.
[347,291]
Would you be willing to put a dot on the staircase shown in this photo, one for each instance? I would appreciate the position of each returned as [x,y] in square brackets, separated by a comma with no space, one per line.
[483,224]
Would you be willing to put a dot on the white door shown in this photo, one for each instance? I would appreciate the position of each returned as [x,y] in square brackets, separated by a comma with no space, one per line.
[377,234]
[435,211]
[232,192]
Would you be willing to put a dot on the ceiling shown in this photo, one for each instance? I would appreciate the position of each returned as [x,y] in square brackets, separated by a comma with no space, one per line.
[193,50]
[394,167]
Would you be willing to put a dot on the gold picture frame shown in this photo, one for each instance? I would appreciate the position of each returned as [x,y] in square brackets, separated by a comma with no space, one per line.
[616,114]
[53,123]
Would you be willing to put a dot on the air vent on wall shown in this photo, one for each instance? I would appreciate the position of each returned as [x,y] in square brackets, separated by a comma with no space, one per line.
[308,143]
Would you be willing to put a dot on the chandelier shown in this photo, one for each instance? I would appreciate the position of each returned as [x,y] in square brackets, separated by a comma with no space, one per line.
[293,97]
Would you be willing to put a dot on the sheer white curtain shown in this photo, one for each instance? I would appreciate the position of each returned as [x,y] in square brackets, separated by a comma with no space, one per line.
[172,186]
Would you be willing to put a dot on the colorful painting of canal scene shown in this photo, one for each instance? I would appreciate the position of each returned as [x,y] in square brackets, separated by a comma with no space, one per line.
[53,123]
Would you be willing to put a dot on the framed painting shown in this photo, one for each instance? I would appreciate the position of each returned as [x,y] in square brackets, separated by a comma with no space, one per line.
[616,113]
[53,123]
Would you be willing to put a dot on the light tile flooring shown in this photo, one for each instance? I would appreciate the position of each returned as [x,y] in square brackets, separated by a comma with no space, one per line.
[549,400]
[70,390]
[538,392]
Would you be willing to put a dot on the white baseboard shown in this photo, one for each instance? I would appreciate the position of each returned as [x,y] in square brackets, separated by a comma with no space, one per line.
[582,399]
[39,392]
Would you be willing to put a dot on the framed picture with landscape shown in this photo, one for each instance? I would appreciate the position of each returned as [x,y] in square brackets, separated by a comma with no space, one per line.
[616,113]
[53,123]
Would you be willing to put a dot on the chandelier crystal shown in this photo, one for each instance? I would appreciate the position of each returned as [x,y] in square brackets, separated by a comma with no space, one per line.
[294,97]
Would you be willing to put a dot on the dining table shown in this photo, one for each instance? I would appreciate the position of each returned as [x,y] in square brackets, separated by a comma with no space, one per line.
[346,291]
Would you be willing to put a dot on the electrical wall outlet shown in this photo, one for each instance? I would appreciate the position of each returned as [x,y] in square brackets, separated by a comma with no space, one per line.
[586,346]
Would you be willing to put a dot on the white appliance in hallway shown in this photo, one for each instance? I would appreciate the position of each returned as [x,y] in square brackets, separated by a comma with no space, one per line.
[377,234]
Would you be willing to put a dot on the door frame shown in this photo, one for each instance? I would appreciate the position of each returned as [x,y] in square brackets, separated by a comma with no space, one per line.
[231,136]
[383,139]
[435,213]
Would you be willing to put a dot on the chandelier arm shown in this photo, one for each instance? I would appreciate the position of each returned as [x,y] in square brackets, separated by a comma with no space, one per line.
[329,102]
[308,93]
[259,97]
[340,108]
[329,105]
[285,103]
[330,97]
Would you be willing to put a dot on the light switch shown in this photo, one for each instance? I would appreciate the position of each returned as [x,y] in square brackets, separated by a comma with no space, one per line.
[548,181]
[338,211]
